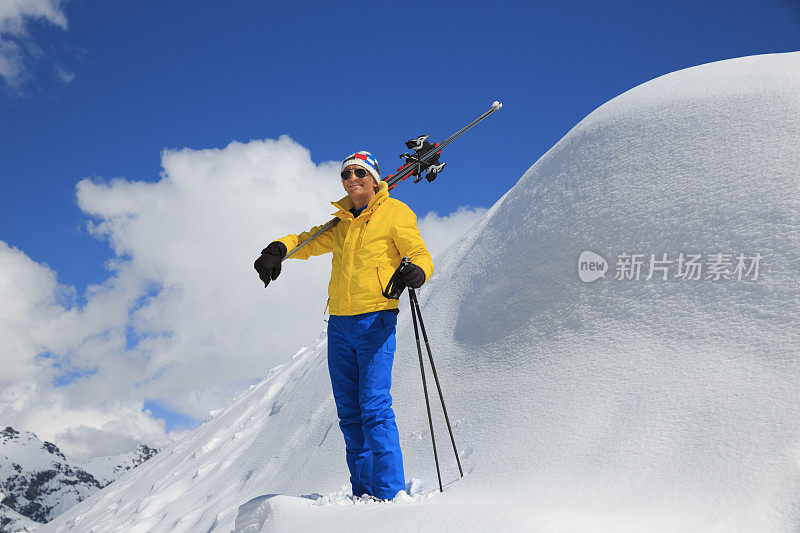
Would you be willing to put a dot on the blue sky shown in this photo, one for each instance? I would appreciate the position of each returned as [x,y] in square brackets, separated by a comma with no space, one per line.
[123,81]
[335,77]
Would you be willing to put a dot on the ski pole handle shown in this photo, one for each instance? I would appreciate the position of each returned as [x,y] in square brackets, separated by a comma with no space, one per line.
[395,287]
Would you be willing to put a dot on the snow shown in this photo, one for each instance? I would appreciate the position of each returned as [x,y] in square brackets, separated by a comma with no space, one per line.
[26,450]
[37,482]
[13,522]
[37,479]
[253,515]
[108,468]
[642,405]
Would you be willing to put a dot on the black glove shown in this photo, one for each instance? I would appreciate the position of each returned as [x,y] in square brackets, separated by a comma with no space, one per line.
[412,276]
[268,265]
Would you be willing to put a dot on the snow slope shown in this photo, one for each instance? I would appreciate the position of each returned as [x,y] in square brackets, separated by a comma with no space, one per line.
[640,405]
[13,522]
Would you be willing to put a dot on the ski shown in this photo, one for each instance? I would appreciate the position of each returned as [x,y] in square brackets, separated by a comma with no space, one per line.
[422,157]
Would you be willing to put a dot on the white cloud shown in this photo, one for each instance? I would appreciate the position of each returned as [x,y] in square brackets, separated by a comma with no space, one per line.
[28,314]
[16,48]
[183,282]
[440,232]
[65,76]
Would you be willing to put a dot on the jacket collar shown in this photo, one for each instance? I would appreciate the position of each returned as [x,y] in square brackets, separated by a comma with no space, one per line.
[346,204]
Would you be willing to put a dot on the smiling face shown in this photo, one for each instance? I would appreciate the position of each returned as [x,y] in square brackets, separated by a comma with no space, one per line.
[360,190]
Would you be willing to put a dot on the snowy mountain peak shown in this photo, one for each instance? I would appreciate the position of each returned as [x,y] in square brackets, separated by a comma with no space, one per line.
[53,449]
[26,451]
[111,467]
[38,482]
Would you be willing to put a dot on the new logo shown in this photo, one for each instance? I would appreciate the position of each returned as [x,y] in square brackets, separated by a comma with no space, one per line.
[591,266]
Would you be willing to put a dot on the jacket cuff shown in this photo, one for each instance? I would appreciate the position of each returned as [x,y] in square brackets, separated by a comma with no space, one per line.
[276,248]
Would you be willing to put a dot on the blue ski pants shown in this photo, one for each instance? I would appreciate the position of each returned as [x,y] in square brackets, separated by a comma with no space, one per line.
[360,355]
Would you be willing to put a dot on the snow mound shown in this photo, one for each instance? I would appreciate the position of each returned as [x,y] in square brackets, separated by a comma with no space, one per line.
[615,405]
[255,515]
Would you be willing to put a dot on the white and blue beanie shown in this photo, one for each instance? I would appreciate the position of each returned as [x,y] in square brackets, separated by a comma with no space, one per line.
[366,160]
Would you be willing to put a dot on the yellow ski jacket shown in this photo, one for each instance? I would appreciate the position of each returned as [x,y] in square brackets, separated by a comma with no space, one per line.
[366,252]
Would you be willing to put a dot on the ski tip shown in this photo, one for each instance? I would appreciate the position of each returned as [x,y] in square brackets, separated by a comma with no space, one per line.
[496,105]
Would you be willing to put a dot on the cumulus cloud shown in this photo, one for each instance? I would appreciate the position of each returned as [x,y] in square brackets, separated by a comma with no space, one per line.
[183,318]
[17,50]
[81,426]
[28,306]
[441,231]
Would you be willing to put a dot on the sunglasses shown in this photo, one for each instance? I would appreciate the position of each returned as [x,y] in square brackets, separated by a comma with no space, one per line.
[359,172]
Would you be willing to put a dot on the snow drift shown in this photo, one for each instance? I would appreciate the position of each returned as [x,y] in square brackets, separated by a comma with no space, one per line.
[616,405]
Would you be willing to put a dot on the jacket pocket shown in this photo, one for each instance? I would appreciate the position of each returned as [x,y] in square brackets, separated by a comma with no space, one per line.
[380,281]
[389,318]
[383,274]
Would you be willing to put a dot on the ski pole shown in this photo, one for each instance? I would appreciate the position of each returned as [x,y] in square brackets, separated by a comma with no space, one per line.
[412,295]
[393,290]
[425,390]
[409,169]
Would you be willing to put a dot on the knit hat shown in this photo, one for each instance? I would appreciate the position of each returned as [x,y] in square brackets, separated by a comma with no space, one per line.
[366,160]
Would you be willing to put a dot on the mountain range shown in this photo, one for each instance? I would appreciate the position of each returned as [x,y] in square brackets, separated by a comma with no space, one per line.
[38,482]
